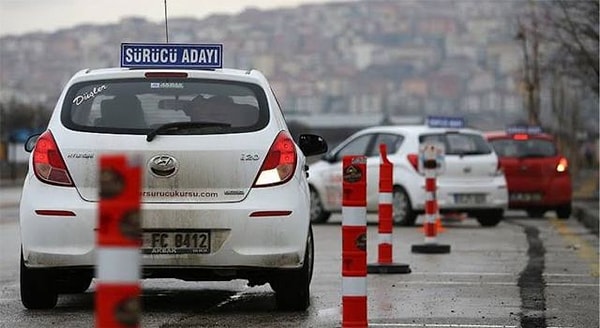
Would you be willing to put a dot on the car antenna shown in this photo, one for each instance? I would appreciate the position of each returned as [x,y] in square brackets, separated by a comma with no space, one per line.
[166,23]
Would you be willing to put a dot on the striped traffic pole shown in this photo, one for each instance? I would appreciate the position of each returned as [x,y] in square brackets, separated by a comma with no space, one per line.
[431,213]
[354,242]
[117,297]
[385,210]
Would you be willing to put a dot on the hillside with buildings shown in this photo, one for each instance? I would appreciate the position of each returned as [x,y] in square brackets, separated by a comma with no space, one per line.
[373,58]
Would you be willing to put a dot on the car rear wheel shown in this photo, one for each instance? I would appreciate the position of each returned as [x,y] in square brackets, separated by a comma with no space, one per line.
[292,289]
[74,284]
[490,218]
[38,288]
[564,212]
[318,214]
[536,213]
[403,214]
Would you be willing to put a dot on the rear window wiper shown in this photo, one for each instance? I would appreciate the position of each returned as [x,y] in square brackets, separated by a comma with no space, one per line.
[176,126]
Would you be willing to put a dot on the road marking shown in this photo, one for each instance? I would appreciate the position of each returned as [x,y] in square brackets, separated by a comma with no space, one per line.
[442,325]
[464,273]
[585,251]
[493,283]
[506,274]
[454,283]
[448,325]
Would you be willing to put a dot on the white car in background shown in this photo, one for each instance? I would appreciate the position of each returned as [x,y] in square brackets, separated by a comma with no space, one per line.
[219,167]
[472,181]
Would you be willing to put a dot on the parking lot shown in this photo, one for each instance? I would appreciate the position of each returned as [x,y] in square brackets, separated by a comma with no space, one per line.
[522,273]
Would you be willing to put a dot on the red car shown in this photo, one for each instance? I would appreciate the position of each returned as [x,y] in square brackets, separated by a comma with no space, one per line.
[537,175]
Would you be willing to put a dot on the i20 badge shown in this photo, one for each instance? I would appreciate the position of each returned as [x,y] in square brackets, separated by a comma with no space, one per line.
[163,166]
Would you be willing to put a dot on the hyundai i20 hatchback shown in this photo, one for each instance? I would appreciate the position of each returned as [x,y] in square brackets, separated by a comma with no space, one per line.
[471,183]
[217,158]
[537,174]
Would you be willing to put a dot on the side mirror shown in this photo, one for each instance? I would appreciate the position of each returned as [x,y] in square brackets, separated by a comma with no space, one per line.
[312,144]
[31,141]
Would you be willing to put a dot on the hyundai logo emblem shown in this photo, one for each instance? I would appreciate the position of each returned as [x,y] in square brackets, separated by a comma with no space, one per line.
[163,166]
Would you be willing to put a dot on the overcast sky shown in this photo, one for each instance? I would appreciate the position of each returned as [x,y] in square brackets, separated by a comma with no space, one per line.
[23,16]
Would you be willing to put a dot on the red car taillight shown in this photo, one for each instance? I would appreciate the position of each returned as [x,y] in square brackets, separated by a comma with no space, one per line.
[563,165]
[413,159]
[48,164]
[280,163]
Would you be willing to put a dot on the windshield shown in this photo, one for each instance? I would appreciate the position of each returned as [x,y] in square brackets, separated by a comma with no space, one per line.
[524,148]
[138,106]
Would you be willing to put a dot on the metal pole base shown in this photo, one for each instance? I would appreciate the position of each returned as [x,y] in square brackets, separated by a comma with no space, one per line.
[431,249]
[388,268]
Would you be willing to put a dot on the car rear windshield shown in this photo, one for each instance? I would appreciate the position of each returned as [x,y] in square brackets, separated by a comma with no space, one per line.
[137,106]
[456,143]
[524,148]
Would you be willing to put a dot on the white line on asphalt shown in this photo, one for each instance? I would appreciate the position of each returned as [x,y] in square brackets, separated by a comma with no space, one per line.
[566,274]
[495,274]
[464,274]
[448,325]
[442,325]
[451,283]
[560,284]
[494,283]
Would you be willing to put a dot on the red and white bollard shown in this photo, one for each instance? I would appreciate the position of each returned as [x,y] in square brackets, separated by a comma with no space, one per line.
[385,233]
[431,215]
[118,262]
[354,242]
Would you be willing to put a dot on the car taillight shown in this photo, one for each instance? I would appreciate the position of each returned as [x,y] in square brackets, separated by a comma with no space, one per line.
[520,136]
[280,163]
[563,165]
[499,169]
[48,164]
[413,159]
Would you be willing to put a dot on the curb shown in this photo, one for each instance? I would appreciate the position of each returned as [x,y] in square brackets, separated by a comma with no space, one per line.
[587,217]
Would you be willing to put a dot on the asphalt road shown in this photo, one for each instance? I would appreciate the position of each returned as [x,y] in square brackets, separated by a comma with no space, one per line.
[523,273]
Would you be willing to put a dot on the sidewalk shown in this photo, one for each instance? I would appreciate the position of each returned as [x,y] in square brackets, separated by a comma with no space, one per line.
[586,200]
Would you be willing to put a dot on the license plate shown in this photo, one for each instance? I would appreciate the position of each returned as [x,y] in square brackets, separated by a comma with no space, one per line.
[176,242]
[469,199]
[525,197]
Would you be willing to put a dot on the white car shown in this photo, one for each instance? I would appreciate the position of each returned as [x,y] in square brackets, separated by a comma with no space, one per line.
[218,164]
[472,181]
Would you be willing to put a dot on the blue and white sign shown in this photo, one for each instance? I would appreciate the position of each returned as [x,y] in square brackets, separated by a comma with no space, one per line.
[526,129]
[445,122]
[171,55]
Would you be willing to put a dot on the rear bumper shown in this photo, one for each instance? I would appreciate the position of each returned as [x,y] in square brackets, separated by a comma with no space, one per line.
[494,191]
[556,192]
[237,240]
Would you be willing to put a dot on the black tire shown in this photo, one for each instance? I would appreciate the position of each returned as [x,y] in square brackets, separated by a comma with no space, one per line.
[536,213]
[74,284]
[292,289]
[490,218]
[317,213]
[564,212]
[403,214]
[38,288]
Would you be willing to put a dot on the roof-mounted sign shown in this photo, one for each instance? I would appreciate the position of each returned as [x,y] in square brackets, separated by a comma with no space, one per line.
[445,122]
[171,55]
[525,129]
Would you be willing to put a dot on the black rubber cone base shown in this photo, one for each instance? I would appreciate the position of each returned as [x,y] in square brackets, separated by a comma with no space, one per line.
[388,268]
[431,249]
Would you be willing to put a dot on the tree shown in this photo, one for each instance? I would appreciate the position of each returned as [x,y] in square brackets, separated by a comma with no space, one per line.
[529,36]
[15,115]
[571,30]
